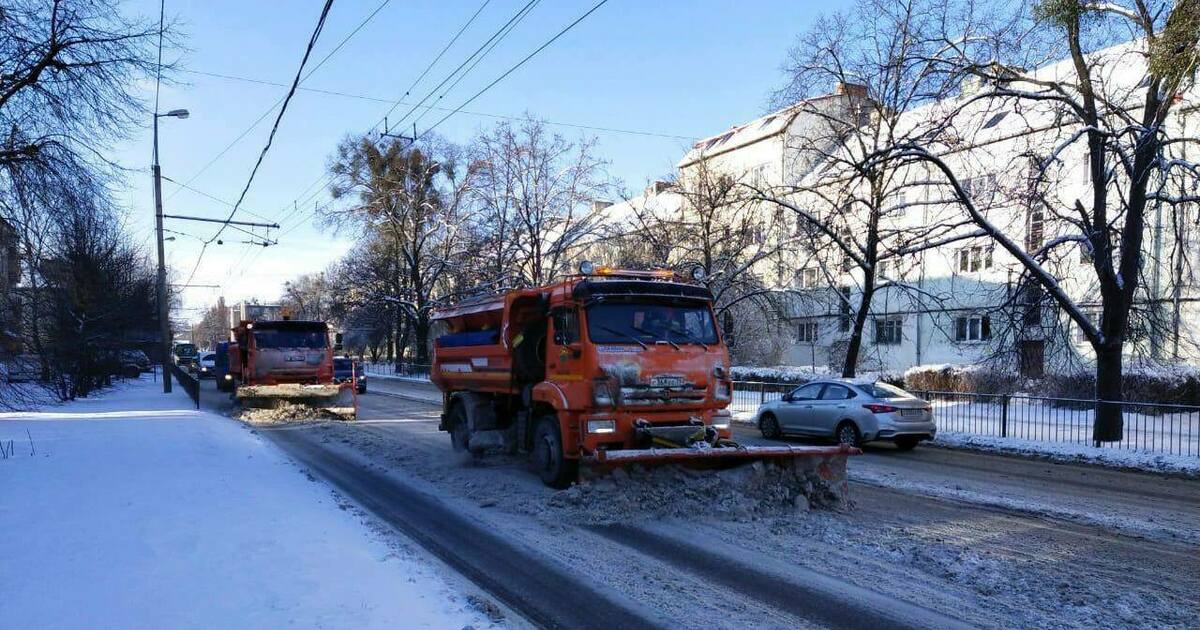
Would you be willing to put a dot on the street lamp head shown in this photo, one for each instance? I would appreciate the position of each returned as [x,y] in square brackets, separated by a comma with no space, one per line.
[177,113]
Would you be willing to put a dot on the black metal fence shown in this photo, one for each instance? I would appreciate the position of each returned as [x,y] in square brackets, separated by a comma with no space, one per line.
[189,383]
[1151,427]
[417,371]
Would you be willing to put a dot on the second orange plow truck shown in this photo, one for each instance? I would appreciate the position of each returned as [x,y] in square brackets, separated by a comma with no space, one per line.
[604,369]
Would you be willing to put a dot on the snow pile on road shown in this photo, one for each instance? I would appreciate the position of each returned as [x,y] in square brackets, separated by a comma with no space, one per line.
[285,412]
[132,510]
[1070,452]
[752,491]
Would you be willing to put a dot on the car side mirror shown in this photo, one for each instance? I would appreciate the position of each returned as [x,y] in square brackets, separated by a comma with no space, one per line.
[787,397]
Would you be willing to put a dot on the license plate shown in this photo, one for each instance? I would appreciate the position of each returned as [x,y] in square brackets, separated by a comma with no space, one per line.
[908,413]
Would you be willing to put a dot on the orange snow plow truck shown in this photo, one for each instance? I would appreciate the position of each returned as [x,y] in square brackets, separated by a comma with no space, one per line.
[605,369]
[274,363]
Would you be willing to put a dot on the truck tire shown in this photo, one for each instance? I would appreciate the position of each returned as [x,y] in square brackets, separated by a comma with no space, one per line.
[549,460]
[460,434]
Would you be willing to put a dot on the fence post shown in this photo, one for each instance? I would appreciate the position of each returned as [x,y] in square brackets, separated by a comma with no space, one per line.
[1004,415]
[762,393]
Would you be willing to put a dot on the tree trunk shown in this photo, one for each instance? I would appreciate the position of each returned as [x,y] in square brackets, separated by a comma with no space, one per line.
[1109,423]
[854,347]
[421,329]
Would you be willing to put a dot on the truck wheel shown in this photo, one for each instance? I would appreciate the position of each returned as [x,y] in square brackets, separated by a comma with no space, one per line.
[459,434]
[549,460]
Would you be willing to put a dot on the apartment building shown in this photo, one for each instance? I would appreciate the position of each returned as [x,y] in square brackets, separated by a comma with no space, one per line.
[958,298]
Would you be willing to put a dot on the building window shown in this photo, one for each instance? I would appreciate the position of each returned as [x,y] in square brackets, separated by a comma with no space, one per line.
[808,278]
[1037,226]
[844,320]
[1093,316]
[981,187]
[972,328]
[889,331]
[895,199]
[974,258]
[806,332]
[1033,294]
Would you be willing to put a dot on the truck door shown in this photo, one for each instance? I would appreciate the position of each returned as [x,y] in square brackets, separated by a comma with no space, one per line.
[563,356]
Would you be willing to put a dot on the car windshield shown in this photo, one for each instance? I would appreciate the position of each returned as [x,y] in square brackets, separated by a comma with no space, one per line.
[209,357]
[642,322]
[883,390]
[290,338]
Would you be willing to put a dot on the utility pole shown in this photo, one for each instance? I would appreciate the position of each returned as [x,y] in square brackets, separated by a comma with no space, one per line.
[164,309]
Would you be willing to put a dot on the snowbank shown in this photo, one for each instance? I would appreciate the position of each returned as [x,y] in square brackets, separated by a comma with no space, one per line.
[1068,452]
[130,510]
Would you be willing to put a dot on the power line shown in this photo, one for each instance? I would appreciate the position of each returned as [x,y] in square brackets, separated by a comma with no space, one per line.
[508,30]
[398,102]
[378,99]
[266,113]
[517,65]
[312,42]
[466,61]
[442,52]
[214,198]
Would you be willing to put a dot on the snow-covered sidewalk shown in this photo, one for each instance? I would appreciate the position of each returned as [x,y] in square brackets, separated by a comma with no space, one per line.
[131,510]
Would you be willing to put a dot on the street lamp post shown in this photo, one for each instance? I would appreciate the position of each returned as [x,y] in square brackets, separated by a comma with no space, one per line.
[164,309]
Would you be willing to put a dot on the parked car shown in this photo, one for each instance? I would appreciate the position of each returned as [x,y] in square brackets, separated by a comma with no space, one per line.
[132,360]
[206,365]
[345,368]
[851,412]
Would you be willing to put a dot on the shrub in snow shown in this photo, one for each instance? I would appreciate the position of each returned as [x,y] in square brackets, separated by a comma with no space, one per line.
[1144,382]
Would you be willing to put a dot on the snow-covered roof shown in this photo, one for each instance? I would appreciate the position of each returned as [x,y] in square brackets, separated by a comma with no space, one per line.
[742,135]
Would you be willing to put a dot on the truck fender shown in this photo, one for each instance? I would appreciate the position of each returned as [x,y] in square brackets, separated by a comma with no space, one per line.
[481,415]
[551,394]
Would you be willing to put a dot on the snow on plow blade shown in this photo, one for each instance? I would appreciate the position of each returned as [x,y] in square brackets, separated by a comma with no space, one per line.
[334,398]
[826,462]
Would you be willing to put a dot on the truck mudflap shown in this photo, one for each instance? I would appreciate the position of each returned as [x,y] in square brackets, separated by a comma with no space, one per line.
[337,398]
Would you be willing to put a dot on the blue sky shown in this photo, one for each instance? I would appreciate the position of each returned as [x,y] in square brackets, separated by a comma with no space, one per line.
[676,68]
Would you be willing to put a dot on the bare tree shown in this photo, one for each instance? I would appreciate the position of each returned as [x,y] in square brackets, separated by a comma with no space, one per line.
[535,192]
[412,200]
[851,79]
[708,220]
[1109,104]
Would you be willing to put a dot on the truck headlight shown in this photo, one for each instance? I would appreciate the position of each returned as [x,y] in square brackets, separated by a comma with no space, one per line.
[723,390]
[602,426]
[229,377]
[601,393]
[721,419]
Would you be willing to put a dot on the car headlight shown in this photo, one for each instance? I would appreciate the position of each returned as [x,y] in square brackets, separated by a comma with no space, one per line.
[601,394]
[602,426]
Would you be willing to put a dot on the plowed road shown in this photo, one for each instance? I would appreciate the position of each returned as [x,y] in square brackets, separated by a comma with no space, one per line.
[936,538]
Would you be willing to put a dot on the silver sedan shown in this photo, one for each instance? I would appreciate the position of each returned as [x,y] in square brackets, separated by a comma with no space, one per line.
[851,412]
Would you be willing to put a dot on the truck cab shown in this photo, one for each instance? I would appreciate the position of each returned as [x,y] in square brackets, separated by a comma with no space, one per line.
[606,360]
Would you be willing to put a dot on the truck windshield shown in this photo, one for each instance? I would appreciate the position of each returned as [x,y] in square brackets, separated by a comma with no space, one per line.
[185,350]
[625,322]
[290,339]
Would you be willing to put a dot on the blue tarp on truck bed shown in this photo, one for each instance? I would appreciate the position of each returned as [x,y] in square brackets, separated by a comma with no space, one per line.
[477,338]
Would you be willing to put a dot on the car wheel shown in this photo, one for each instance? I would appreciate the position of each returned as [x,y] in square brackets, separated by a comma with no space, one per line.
[847,433]
[905,443]
[768,424]
[549,460]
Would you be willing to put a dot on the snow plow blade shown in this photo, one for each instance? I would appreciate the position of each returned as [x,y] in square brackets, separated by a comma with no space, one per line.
[827,462]
[338,399]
